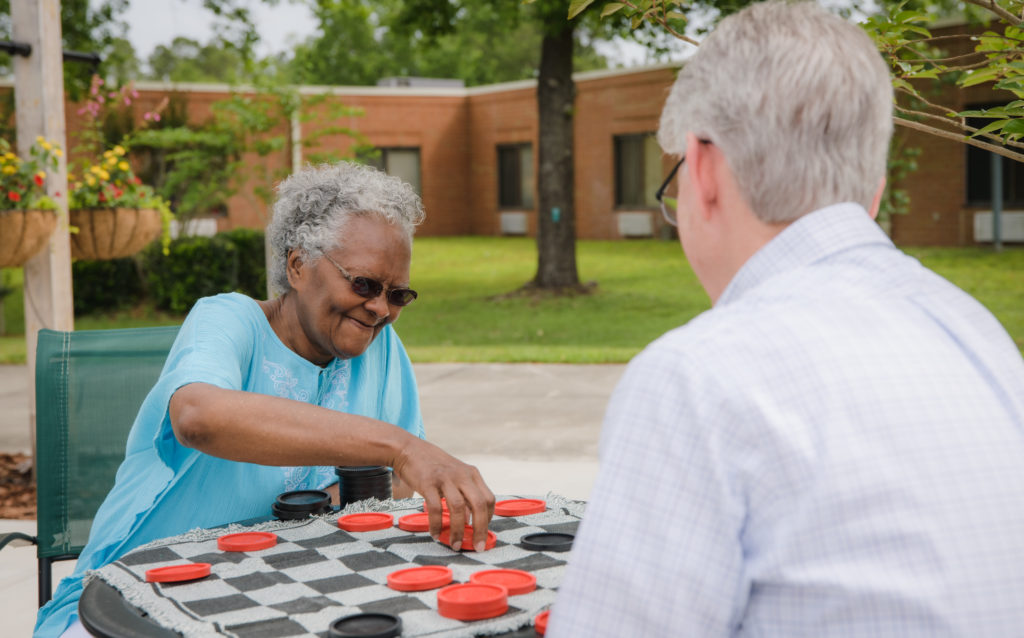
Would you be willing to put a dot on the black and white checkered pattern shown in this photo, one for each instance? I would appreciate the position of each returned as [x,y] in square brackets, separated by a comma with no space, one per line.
[318,573]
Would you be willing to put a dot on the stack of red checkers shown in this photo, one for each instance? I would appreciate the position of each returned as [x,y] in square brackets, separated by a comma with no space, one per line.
[419,522]
[366,521]
[519,507]
[516,581]
[178,573]
[467,538]
[540,622]
[472,601]
[420,578]
[246,541]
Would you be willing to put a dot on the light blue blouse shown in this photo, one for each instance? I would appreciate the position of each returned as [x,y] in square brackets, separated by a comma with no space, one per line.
[163,488]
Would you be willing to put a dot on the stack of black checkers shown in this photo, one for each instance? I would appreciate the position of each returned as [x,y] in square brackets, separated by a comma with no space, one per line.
[301,504]
[361,483]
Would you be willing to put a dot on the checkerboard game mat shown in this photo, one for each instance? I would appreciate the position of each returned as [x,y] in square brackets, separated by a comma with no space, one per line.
[318,573]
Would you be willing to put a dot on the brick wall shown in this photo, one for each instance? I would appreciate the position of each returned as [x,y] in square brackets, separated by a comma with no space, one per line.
[458,131]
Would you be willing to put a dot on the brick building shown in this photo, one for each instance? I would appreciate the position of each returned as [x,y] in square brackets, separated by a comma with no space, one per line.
[471,154]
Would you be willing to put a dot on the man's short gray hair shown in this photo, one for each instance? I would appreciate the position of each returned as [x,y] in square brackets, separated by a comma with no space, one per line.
[314,204]
[798,100]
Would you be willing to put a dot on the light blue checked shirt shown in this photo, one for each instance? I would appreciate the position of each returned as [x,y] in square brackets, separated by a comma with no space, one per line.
[835,449]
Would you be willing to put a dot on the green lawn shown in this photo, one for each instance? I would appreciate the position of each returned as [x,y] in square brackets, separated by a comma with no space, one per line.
[644,288]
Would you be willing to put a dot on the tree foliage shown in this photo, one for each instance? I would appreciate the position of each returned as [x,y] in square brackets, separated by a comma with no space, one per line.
[917,58]
[86,26]
[362,41]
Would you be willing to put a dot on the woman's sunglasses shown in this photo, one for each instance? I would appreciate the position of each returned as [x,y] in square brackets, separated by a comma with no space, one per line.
[371,288]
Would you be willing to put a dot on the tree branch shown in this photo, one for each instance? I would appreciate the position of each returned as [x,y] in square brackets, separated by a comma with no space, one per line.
[990,5]
[949,135]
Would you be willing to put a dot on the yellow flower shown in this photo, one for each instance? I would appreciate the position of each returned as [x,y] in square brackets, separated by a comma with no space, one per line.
[119,150]
[112,161]
[40,139]
[90,180]
[9,170]
[58,152]
[46,145]
[123,165]
[95,169]
[108,154]
[10,156]
[78,185]
[104,175]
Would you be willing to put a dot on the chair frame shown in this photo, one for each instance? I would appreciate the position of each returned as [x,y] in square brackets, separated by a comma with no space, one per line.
[52,423]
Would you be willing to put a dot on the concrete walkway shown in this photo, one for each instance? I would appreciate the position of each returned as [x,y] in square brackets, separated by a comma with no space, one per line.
[530,429]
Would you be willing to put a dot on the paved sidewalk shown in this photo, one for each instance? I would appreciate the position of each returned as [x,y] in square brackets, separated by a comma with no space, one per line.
[530,428]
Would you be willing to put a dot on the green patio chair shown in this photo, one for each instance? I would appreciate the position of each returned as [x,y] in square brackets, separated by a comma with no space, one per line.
[89,387]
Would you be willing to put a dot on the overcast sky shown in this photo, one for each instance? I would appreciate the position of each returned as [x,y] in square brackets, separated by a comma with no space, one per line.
[155,22]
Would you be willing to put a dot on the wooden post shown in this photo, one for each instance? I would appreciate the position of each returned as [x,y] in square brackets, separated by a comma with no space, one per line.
[39,109]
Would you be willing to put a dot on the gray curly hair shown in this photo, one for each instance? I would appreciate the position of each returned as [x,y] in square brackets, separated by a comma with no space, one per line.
[314,204]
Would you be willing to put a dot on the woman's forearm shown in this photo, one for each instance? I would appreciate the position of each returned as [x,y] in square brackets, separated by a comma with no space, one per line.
[258,428]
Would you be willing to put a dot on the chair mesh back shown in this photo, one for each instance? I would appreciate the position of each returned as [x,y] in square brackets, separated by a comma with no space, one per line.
[89,387]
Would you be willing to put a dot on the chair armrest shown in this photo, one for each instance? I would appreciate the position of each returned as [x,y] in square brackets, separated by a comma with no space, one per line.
[12,537]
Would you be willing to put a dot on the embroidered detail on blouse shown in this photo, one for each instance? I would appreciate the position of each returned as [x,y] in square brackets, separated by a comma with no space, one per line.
[333,394]
[285,384]
[335,387]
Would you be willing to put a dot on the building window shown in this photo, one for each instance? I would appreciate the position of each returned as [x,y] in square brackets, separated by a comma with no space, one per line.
[637,170]
[515,176]
[979,175]
[399,162]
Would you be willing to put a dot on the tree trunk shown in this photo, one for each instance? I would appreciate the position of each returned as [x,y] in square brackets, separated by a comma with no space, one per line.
[556,218]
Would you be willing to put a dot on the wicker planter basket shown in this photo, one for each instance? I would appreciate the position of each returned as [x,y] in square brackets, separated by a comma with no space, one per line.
[23,233]
[109,233]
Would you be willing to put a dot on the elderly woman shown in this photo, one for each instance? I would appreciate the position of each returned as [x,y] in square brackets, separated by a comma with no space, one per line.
[263,397]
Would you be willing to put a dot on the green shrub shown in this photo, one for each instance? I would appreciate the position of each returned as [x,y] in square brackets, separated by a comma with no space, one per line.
[252,261]
[105,285]
[195,267]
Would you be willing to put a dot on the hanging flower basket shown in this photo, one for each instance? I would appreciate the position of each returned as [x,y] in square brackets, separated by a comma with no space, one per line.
[109,233]
[23,233]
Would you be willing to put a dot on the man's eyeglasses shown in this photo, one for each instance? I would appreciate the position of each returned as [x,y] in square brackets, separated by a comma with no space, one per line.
[668,201]
[371,288]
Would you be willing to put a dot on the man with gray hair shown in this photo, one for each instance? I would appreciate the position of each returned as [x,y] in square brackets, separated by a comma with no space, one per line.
[836,448]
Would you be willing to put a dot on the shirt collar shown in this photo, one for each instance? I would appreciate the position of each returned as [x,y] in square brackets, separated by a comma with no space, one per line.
[818,234]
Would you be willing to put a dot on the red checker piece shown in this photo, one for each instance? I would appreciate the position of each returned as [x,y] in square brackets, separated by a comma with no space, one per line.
[467,538]
[420,578]
[540,622]
[246,541]
[366,521]
[516,581]
[519,507]
[472,601]
[419,522]
[177,573]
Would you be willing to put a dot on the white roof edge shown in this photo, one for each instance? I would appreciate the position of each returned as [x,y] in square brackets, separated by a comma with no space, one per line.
[585,76]
[309,89]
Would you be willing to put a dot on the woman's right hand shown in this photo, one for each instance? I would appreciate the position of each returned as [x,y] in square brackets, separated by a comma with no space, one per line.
[435,474]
